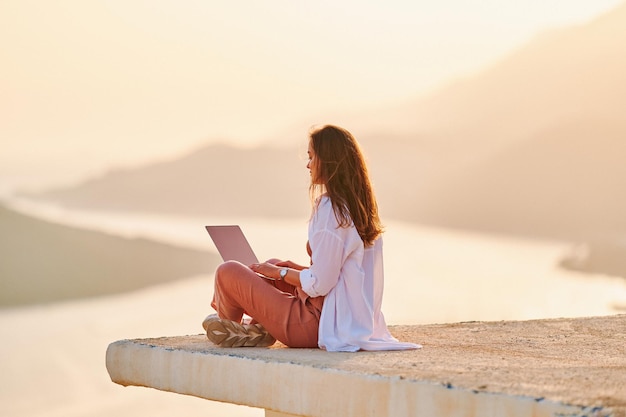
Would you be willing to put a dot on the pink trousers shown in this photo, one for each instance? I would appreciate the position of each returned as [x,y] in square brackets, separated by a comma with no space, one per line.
[290,315]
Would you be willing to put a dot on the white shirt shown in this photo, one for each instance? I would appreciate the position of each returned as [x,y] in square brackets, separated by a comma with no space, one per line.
[350,277]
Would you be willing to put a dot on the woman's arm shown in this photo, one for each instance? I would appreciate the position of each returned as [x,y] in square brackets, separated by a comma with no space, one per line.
[272,267]
[326,265]
[290,264]
[272,270]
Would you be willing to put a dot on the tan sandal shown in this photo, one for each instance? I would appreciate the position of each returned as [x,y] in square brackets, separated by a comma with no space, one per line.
[227,333]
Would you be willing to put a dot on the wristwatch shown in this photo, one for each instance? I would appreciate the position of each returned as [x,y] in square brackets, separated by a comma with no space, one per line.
[283,273]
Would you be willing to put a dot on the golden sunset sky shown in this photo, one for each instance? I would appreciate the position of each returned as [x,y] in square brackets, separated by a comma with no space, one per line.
[86,85]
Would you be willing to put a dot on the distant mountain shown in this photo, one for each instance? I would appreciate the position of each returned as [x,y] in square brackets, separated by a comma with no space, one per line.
[214,180]
[42,262]
[567,182]
[535,144]
[550,124]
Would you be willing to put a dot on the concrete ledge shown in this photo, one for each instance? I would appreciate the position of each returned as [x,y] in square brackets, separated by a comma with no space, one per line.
[562,367]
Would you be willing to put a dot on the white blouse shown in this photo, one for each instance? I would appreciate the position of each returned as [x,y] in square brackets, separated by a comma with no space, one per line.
[350,277]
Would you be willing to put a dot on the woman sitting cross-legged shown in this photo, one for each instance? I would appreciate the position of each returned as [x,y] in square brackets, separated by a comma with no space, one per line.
[335,302]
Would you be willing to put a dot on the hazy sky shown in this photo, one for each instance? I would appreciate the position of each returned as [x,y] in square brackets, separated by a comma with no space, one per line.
[89,84]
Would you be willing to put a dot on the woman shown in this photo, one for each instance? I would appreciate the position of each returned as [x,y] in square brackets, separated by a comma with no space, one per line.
[333,303]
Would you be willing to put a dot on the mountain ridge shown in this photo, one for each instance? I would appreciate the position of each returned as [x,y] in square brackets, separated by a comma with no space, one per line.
[44,262]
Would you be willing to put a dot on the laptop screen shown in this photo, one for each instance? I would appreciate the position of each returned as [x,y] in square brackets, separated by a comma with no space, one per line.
[232,244]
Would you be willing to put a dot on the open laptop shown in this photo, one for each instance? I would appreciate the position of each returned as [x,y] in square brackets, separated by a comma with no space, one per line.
[232,245]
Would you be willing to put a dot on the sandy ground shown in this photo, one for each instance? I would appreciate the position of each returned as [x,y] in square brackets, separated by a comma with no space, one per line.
[579,361]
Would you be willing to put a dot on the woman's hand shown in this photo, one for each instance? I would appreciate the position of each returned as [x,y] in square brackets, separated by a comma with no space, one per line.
[271,269]
[268,269]
[290,264]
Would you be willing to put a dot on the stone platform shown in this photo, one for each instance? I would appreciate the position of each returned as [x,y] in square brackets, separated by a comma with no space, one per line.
[555,367]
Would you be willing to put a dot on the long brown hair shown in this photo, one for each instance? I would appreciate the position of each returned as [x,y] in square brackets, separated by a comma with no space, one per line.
[344,177]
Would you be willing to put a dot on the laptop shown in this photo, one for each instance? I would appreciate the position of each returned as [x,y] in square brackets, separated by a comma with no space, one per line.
[232,244]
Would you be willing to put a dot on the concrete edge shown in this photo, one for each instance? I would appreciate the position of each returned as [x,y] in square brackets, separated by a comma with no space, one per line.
[312,391]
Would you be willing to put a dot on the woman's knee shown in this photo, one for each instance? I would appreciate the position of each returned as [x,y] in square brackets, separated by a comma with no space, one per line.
[229,270]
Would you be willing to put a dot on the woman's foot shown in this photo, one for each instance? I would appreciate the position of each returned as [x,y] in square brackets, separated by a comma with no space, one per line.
[227,333]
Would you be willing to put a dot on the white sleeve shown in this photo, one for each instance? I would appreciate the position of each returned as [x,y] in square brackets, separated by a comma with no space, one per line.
[327,256]
[327,241]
